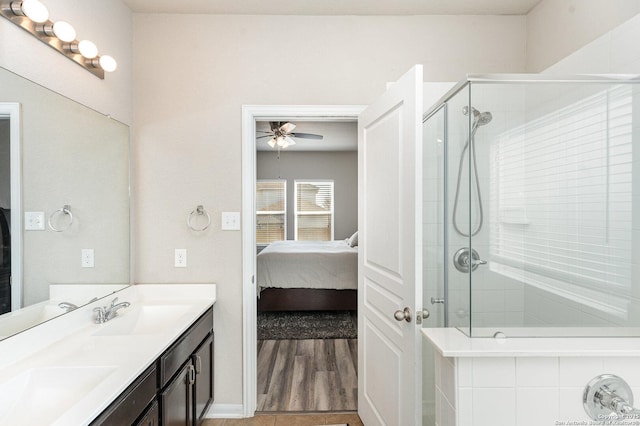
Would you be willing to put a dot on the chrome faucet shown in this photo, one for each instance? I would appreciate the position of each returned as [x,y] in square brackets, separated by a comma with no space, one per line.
[104,314]
[67,306]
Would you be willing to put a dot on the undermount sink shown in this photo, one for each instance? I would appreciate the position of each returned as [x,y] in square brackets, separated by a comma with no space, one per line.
[149,319]
[50,390]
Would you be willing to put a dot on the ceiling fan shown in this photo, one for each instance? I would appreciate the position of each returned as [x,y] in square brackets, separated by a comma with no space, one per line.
[281,134]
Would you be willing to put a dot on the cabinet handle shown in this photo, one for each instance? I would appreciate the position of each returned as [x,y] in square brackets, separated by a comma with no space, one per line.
[191,379]
[197,359]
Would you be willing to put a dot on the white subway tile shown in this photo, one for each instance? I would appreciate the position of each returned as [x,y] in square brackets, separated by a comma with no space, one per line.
[464,409]
[536,371]
[537,406]
[626,367]
[465,372]
[570,405]
[484,407]
[494,372]
[448,414]
[578,371]
[448,380]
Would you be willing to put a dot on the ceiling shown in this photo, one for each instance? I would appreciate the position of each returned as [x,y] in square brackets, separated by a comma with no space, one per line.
[338,136]
[335,7]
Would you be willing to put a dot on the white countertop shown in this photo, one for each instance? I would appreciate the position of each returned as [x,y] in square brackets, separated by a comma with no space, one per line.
[71,349]
[451,342]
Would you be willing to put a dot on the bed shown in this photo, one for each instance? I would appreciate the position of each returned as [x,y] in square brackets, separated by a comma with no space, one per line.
[308,276]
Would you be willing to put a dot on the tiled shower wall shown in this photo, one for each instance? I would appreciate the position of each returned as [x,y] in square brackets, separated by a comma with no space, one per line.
[529,391]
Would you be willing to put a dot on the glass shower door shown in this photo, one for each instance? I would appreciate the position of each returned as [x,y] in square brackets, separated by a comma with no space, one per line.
[434,271]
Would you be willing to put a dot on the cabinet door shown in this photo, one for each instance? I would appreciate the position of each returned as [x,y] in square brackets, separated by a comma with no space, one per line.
[177,399]
[132,402]
[203,388]
[151,417]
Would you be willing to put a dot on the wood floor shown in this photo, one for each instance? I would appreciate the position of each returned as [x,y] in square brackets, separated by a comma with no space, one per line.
[350,419]
[308,375]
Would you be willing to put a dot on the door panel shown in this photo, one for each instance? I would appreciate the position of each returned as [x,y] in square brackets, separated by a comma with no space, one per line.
[390,254]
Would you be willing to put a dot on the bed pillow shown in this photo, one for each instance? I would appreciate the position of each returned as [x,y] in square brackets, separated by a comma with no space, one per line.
[353,240]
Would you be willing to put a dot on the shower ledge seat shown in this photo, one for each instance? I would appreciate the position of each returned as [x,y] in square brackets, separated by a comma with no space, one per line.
[451,342]
[522,381]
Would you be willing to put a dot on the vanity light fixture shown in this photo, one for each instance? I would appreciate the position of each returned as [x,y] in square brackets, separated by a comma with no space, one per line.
[33,17]
[61,29]
[32,9]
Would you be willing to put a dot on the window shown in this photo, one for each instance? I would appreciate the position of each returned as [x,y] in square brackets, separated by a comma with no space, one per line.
[271,211]
[314,210]
[561,196]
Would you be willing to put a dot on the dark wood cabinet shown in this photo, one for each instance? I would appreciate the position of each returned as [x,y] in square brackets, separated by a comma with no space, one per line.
[177,398]
[151,417]
[126,409]
[176,390]
[203,387]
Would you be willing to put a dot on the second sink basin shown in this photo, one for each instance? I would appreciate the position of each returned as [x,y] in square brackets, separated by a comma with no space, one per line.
[148,319]
[50,390]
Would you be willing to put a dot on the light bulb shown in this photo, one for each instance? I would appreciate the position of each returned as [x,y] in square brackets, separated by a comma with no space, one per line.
[87,49]
[108,63]
[35,11]
[272,142]
[280,141]
[64,31]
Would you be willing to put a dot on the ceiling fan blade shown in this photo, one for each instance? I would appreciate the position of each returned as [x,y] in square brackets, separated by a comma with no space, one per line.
[263,131]
[265,136]
[287,127]
[306,136]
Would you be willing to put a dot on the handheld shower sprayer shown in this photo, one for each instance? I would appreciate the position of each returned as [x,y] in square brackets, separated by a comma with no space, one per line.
[479,119]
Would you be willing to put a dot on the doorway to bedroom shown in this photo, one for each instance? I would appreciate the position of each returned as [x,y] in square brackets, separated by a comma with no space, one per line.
[306,215]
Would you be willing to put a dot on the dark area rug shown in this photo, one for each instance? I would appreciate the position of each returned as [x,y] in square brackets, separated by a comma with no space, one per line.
[307,325]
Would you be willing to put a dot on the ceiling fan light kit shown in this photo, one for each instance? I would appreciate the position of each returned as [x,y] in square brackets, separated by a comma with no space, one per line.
[282,137]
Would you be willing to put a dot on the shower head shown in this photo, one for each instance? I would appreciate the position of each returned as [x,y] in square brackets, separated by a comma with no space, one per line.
[484,118]
[479,118]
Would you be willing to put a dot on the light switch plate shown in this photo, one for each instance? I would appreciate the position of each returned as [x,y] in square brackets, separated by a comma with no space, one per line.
[230,221]
[34,221]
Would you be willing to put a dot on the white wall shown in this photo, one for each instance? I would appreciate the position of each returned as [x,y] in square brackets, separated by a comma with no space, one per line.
[339,166]
[188,119]
[105,22]
[557,28]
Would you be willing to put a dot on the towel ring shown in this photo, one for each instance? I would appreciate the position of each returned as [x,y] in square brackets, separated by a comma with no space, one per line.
[66,210]
[199,211]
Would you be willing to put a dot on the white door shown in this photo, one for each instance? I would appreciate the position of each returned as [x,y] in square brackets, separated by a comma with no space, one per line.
[390,255]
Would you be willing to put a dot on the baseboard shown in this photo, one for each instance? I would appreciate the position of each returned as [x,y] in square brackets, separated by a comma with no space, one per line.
[225,411]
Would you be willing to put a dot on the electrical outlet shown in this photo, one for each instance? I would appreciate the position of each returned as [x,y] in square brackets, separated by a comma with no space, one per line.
[180,258]
[34,221]
[87,258]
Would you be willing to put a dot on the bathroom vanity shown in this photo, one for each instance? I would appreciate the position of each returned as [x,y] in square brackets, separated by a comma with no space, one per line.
[524,381]
[151,364]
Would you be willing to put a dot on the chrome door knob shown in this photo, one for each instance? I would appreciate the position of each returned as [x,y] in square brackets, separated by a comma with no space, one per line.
[405,315]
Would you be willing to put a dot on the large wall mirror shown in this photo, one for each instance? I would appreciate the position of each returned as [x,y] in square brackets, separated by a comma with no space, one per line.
[64,204]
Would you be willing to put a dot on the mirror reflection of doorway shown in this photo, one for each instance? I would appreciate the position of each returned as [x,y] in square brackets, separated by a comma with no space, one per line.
[5,216]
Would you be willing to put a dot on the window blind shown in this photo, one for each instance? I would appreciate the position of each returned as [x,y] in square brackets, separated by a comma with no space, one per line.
[271,202]
[314,210]
[561,195]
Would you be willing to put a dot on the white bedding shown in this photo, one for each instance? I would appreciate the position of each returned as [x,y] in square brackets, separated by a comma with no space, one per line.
[308,264]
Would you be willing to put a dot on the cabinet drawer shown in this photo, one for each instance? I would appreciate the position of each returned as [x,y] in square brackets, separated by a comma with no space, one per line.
[180,352]
[133,401]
